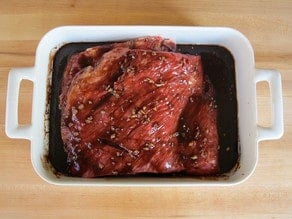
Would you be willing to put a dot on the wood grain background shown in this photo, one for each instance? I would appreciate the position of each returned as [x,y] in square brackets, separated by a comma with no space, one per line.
[266,194]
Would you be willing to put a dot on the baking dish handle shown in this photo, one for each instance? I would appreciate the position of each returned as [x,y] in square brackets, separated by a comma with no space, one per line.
[12,127]
[276,129]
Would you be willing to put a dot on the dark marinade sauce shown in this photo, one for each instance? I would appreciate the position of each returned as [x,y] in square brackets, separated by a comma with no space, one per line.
[218,64]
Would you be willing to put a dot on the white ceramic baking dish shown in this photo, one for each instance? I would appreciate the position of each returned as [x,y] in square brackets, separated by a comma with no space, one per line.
[247,76]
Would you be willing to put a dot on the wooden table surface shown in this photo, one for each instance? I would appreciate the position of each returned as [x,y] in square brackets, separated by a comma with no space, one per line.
[266,194]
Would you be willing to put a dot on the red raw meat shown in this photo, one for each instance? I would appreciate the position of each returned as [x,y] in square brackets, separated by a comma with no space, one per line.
[138,107]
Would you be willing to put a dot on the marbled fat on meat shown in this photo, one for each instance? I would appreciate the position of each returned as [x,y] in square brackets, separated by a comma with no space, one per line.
[138,107]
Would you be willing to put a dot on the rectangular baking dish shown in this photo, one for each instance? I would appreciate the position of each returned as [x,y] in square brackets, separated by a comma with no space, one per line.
[246,75]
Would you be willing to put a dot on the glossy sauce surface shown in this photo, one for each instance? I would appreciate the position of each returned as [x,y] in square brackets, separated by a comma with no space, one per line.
[218,64]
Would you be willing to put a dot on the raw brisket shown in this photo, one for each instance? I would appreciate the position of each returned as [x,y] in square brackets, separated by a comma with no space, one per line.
[138,107]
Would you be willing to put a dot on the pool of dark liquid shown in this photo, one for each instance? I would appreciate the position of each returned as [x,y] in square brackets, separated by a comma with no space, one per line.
[218,64]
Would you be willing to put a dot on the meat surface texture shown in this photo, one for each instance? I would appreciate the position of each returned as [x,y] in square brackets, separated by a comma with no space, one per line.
[138,107]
